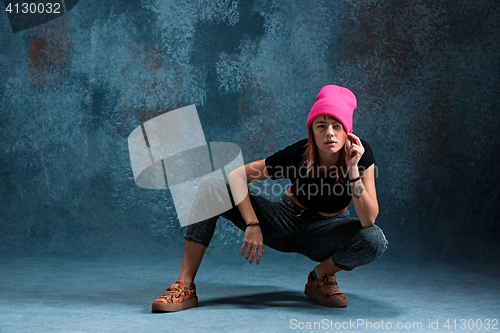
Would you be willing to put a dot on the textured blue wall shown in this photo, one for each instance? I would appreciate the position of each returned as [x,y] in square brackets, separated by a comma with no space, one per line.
[426,74]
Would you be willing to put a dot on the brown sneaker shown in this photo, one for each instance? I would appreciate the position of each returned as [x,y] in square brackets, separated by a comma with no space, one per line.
[177,297]
[325,290]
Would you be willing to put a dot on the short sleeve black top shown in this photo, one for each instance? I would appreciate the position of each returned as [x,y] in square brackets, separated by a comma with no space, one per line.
[319,193]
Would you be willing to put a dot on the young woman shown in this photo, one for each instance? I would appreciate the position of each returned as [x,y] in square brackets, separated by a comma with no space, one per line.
[327,170]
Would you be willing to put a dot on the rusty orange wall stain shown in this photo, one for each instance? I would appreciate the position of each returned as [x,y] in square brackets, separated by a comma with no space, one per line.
[48,49]
[146,60]
[256,105]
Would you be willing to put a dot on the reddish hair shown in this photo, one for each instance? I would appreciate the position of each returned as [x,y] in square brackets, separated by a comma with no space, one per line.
[310,159]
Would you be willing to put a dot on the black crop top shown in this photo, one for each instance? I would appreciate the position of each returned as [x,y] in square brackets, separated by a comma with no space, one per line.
[318,194]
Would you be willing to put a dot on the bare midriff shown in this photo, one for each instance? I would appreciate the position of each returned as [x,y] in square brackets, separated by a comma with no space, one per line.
[294,200]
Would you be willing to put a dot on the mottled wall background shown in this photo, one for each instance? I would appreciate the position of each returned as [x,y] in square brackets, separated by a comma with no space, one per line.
[426,74]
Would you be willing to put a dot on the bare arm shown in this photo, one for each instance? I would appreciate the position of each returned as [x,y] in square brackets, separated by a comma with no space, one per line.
[367,205]
[364,196]
[238,180]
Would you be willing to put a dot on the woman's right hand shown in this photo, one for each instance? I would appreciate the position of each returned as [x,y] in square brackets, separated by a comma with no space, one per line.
[253,243]
[238,178]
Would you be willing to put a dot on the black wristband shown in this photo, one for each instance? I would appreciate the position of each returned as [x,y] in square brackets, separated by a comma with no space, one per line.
[354,180]
[251,224]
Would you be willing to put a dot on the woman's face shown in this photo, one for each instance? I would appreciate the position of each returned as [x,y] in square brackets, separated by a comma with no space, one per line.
[329,134]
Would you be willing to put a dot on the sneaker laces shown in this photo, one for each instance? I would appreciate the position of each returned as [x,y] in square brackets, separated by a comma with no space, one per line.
[174,289]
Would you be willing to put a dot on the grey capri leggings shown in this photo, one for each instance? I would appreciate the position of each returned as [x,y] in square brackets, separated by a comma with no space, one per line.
[287,227]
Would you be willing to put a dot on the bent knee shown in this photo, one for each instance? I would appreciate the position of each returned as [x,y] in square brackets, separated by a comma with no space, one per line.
[374,240]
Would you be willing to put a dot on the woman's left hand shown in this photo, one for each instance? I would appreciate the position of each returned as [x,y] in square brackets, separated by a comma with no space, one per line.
[354,150]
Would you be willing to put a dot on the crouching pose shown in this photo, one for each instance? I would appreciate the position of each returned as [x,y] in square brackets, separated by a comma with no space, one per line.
[327,170]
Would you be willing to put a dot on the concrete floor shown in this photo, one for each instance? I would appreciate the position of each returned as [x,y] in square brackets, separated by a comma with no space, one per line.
[115,294]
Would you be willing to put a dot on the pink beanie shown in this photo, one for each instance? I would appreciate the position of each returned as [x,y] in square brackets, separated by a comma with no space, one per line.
[334,101]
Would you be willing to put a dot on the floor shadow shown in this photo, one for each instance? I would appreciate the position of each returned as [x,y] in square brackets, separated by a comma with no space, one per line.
[269,298]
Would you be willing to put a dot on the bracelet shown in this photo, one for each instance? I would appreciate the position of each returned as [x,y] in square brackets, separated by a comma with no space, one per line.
[353,180]
[251,224]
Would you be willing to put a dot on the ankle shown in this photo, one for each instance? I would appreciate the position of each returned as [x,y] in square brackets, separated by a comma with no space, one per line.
[187,282]
[319,272]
